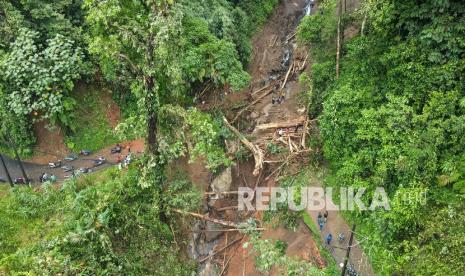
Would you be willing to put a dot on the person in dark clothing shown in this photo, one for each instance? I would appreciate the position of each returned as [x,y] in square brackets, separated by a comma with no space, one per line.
[320,221]
[325,216]
[329,238]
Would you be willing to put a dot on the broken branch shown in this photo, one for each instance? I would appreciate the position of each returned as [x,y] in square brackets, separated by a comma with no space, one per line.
[256,151]
[207,218]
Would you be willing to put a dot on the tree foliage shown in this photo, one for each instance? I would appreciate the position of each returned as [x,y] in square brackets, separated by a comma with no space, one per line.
[39,78]
[395,119]
[110,228]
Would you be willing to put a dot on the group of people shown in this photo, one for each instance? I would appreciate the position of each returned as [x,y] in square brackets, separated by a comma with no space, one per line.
[123,162]
[44,178]
[281,94]
[322,219]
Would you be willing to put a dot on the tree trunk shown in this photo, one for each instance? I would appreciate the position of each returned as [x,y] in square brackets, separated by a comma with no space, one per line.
[6,171]
[152,119]
[339,39]
[362,30]
[23,171]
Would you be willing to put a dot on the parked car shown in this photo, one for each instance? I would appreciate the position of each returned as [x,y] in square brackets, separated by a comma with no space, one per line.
[100,161]
[84,170]
[2,180]
[67,168]
[54,165]
[116,149]
[71,157]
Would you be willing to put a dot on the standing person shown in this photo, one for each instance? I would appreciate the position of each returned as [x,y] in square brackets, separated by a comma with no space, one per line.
[329,237]
[320,221]
[325,215]
[53,178]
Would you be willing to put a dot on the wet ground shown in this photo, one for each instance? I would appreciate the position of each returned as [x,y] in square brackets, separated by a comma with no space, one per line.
[34,170]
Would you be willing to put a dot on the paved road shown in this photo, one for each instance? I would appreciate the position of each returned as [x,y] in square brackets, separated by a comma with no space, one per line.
[34,171]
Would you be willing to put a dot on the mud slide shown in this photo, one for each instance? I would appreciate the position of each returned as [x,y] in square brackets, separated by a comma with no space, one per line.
[274,62]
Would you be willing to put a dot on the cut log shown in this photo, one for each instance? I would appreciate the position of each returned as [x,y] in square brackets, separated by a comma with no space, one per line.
[290,123]
[222,193]
[256,151]
[260,89]
[251,104]
[302,67]
[207,218]
[227,208]
[287,75]
[302,144]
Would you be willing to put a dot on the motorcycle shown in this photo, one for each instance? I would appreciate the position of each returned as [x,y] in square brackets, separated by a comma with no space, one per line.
[54,165]
[85,152]
[19,180]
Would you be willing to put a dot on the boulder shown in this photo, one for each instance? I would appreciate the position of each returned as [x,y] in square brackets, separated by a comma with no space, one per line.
[211,235]
[222,183]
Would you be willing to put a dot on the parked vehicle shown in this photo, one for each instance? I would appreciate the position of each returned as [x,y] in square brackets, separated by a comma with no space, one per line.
[85,152]
[67,168]
[116,149]
[2,180]
[54,165]
[19,180]
[84,170]
[71,157]
[100,161]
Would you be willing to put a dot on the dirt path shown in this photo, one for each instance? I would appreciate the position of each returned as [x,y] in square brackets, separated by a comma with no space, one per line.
[269,48]
[337,224]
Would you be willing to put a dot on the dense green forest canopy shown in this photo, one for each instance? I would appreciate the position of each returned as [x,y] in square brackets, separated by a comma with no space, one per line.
[396,118]
[60,42]
[159,53]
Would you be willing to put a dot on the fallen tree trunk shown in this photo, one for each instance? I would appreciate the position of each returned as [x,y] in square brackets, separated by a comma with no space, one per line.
[220,250]
[222,193]
[291,123]
[207,218]
[256,151]
[251,104]
[287,75]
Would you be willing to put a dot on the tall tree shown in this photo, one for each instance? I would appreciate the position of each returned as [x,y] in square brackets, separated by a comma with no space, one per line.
[160,50]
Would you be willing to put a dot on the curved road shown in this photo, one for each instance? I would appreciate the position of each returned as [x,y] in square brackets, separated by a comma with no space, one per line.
[34,171]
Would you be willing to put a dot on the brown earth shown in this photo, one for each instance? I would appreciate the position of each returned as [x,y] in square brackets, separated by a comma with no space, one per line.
[50,144]
[269,47]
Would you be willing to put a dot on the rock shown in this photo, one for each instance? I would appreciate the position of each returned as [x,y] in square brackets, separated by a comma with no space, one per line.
[222,183]
[254,115]
[207,269]
[212,235]
[301,111]
[204,248]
